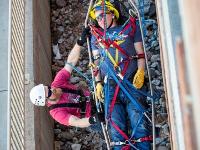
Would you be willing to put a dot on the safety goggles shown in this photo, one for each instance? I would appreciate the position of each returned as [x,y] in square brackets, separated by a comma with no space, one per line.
[49,92]
[101,16]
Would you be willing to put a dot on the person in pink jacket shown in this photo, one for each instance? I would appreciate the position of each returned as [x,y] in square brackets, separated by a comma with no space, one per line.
[62,97]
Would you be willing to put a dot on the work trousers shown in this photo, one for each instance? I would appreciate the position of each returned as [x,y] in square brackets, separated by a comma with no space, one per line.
[128,118]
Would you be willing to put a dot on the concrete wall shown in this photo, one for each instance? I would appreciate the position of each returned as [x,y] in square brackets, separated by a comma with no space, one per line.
[29,77]
[4,11]
[39,125]
[42,70]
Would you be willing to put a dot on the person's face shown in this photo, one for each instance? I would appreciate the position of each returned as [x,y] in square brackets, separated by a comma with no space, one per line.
[52,95]
[100,18]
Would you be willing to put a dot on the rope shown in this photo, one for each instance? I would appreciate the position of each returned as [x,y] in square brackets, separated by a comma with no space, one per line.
[151,89]
[81,74]
[143,30]
[111,72]
[98,106]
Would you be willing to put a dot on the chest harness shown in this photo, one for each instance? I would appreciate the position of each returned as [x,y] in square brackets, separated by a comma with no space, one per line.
[83,102]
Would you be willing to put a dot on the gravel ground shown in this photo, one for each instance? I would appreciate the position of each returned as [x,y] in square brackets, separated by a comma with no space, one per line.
[67,19]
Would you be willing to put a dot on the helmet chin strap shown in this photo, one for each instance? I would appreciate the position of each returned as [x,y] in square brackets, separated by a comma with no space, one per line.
[110,24]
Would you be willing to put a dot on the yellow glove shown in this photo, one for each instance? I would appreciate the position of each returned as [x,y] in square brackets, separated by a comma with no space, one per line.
[99,92]
[138,80]
[92,65]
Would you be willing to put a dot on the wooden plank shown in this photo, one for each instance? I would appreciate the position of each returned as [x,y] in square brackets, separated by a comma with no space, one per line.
[189,134]
[166,74]
[191,21]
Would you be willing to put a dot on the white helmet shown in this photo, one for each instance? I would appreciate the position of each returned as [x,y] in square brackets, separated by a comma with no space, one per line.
[37,95]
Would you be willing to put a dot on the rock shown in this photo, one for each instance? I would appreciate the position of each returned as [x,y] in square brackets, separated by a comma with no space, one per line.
[57,131]
[157,48]
[75,140]
[148,48]
[59,63]
[67,135]
[60,40]
[74,80]
[56,52]
[61,3]
[162,148]
[152,10]
[61,29]
[152,72]
[63,140]
[55,68]
[155,58]
[57,145]
[76,146]
[160,88]
[154,64]
[145,7]
[55,13]
[154,43]
[79,69]
[158,73]
[156,82]
[166,129]
[85,62]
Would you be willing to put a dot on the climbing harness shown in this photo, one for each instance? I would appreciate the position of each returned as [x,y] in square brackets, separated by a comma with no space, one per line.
[83,106]
[82,102]
[133,141]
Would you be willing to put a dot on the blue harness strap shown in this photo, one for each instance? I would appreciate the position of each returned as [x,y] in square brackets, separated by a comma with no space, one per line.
[112,73]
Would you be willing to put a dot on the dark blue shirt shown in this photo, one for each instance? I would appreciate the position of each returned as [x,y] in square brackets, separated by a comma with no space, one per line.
[125,41]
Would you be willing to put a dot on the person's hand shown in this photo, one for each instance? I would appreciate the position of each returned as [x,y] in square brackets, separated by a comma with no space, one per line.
[83,38]
[100,117]
[97,118]
[138,79]
[92,65]
[99,92]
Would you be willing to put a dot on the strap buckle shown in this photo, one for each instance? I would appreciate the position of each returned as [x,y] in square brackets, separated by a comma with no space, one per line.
[117,69]
[142,139]
[118,143]
[83,102]
[137,56]
[126,142]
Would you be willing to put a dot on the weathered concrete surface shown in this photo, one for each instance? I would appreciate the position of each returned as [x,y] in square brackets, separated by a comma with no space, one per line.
[39,125]
[42,70]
